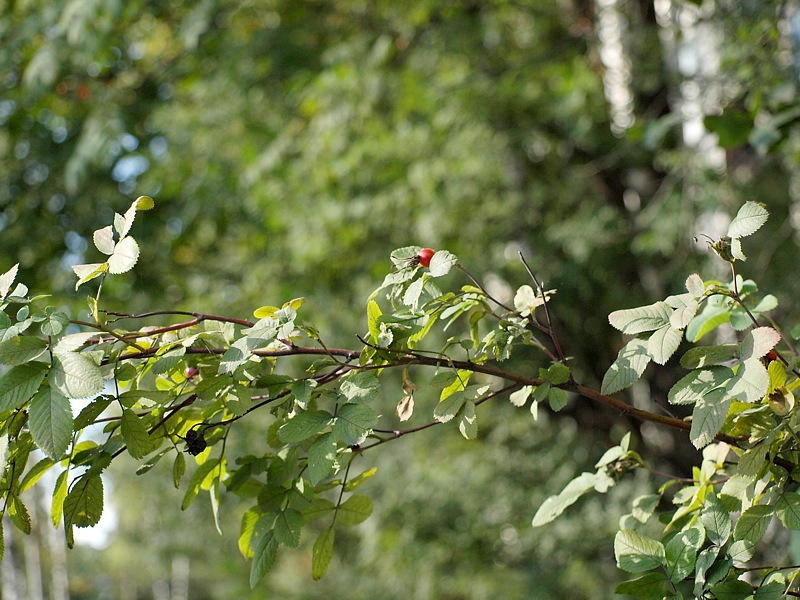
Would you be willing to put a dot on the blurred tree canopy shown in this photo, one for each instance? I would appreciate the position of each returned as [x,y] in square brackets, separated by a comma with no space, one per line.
[292,145]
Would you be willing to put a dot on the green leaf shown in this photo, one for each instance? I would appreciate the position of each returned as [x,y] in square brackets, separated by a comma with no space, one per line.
[708,417]
[652,586]
[706,356]
[361,478]
[288,525]
[752,523]
[20,383]
[178,469]
[21,349]
[631,362]
[321,457]
[265,552]
[322,554]
[319,508]
[644,507]
[353,423]
[557,398]
[54,323]
[35,473]
[703,564]
[304,425]
[449,407]
[758,342]
[76,375]
[692,387]
[748,220]
[639,320]
[197,479]
[356,509]
[84,503]
[708,320]
[91,411]
[59,495]
[137,439]
[716,520]
[788,510]
[373,315]
[413,292]
[51,422]
[733,589]
[636,553]
[553,506]
[18,513]
[361,386]
[468,421]
[663,343]
[249,520]
[441,263]
[733,127]
[681,553]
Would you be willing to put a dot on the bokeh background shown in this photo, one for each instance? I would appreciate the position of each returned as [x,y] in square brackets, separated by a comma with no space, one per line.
[291,145]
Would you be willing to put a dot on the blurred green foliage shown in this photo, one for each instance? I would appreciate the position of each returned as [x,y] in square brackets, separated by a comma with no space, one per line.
[291,145]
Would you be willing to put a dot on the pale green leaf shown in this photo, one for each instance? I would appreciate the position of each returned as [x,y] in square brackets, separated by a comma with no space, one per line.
[681,553]
[359,479]
[373,314]
[708,320]
[636,553]
[88,272]
[35,473]
[7,280]
[249,520]
[639,320]
[758,342]
[59,495]
[553,506]
[126,254]
[76,375]
[441,263]
[695,285]
[18,512]
[663,343]
[716,519]
[748,220]
[631,362]
[519,397]
[751,382]
[51,422]
[361,386]
[413,292]
[708,417]
[104,240]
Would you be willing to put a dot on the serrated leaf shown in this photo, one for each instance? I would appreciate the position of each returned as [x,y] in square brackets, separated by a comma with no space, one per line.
[59,495]
[137,439]
[35,473]
[736,249]
[663,343]
[716,520]
[361,386]
[652,586]
[748,220]
[18,512]
[557,398]
[788,510]
[321,457]
[681,553]
[753,523]
[265,552]
[104,240]
[706,356]
[373,314]
[353,423]
[695,285]
[468,421]
[631,362]
[413,292]
[446,409]
[288,525]
[76,375]
[708,320]
[751,382]
[322,554]
[126,254]
[441,263]
[54,323]
[21,349]
[7,280]
[249,520]
[200,474]
[178,469]
[51,422]
[91,411]
[356,509]
[698,383]
[733,589]
[88,272]
[708,417]
[304,425]
[83,506]
[636,553]
[553,506]
[20,383]
[759,341]
[639,320]
[443,380]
